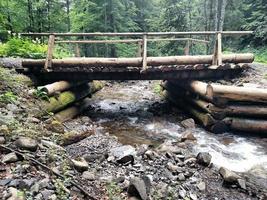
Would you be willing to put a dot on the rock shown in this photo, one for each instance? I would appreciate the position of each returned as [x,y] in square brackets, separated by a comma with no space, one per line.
[90,176]
[150,154]
[35,188]
[50,144]
[228,176]
[53,197]
[190,160]
[47,194]
[182,193]
[9,158]
[172,167]
[34,120]
[123,154]
[2,140]
[242,183]
[201,186]
[4,130]
[44,183]
[193,196]
[168,147]
[139,188]
[56,126]
[27,143]
[187,135]
[4,182]
[12,107]
[188,123]
[203,158]
[15,194]
[181,177]
[80,165]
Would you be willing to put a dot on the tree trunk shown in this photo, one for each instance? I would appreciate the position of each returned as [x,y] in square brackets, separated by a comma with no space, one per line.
[72,111]
[235,93]
[59,86]
[247,125]
[68,97]
[137,62]
[68,14]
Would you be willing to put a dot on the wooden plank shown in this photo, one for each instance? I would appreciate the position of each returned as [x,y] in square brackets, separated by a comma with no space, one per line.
[187,48]
[49,57]
[217,55]
[144,64]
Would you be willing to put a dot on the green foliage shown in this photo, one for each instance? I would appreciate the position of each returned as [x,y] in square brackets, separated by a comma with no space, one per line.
[8,97]
[16,47]
[40,94]
[113,191]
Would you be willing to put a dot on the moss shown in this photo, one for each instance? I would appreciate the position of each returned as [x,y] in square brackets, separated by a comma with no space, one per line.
[58,103]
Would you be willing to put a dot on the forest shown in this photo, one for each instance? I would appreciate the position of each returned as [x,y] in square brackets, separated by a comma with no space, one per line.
[135,16]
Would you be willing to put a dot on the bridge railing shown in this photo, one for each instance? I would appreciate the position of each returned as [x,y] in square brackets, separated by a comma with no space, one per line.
[217,54]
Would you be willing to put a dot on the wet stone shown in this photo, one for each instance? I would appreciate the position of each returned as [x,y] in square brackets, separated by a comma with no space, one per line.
[139,188]
[123,154]
[204,158]
[47,194]
[188,123]
[4,182]
[228,176]
[242,183]
[187,135]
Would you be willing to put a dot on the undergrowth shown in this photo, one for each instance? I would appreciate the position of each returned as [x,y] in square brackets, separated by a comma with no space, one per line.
[26,48]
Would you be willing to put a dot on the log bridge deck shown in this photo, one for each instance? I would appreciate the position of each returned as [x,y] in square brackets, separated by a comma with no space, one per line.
[142,67]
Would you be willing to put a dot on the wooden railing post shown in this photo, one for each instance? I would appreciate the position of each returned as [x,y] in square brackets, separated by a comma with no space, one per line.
[49,56]
[187,48]
[140,49]
[77,50]
[217,55]
[144,65]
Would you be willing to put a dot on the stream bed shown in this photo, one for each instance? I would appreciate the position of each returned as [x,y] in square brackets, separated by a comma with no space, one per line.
[135,112]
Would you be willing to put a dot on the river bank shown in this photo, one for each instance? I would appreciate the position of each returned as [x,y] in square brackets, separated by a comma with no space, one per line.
[138,145]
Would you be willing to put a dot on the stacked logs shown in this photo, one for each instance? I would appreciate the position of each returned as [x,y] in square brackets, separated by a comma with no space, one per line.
[220,107]
[66,99]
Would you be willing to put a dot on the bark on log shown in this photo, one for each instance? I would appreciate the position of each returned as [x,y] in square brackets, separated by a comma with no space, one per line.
[151,61]
[200,88]
[247,125]
[235,93]
[58,86]
[204,118]
[71,112]
[247,110]
[66,98]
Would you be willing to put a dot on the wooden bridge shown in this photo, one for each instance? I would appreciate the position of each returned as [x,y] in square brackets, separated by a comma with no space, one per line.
[141,67]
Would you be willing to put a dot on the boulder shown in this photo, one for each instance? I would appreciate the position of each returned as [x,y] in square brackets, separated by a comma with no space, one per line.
[139,188]
[228,176]
[123,154]
[2,140]
[4,130]
[181,177]
[188,123]
[187,135]
[56,127]
[27,143]
[203,158]
[15,194]
[90,176]
[201,186]
[80,165]
[242,183]
[9,158]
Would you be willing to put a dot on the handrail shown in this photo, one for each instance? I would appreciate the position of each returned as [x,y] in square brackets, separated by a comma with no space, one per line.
[142,33]
[128,41]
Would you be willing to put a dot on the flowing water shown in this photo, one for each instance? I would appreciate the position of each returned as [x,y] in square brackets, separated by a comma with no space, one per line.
[136,114]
